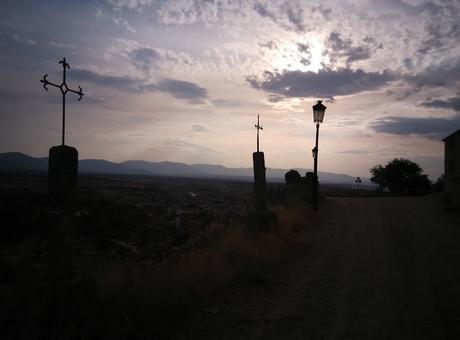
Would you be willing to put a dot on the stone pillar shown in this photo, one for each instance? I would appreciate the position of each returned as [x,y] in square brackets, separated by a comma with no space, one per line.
[260,183]
[62,187]
[62,172]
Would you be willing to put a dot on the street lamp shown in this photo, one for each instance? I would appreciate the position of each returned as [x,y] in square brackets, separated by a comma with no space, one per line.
[318,115]
[357,181]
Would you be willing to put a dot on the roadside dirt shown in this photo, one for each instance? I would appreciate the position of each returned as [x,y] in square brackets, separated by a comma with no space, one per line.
[371,268]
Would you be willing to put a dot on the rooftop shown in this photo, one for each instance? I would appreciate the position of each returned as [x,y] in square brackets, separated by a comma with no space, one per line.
[451,135]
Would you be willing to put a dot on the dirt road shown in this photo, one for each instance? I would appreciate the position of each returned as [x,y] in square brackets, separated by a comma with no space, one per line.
[374,268]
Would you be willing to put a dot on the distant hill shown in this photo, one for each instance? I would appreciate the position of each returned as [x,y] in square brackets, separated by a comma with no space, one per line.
[16,161]
[20,161]
[163,168]
[96,166]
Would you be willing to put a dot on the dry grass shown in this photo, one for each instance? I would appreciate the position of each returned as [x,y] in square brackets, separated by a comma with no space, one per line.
[141,301]
[293,218]
[186,281]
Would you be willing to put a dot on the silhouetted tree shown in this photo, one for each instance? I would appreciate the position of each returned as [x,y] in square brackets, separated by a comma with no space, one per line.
[401,177]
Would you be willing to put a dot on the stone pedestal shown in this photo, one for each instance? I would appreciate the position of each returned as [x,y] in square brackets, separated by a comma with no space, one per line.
[62,187]
[62,172]
[297,188]
[260,183]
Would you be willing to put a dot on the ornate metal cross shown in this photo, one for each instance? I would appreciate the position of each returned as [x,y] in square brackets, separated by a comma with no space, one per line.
[64,89]
[258,127]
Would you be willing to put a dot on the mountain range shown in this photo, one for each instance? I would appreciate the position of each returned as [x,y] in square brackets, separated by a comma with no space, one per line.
[16,161]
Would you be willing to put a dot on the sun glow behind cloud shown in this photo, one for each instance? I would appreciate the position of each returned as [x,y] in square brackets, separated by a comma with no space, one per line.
[308,55]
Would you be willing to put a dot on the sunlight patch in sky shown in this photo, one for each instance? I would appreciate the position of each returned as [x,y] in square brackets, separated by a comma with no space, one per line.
[302,56]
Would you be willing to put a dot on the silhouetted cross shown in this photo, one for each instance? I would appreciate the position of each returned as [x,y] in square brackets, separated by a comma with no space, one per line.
[64,89]
[258,127]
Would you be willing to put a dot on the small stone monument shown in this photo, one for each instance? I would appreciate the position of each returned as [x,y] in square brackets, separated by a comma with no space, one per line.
[260,183]
[63,159]
[297,188]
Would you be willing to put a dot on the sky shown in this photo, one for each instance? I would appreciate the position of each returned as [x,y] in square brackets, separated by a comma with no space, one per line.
[185,80]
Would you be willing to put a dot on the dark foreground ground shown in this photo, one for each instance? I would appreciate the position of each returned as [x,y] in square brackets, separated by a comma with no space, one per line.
[374,268]
[360,268]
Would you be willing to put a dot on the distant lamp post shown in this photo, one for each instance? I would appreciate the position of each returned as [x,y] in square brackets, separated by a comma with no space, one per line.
[357,181]
[318,115]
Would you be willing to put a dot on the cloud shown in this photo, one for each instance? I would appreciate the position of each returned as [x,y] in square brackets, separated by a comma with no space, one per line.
[24,40]
[199,11]
[178,144]
[441,75]
[408,63]
[226,103]
[263,11]
[177,88]
[432,127]
[407,8]
[340,48]
[291,120]
[325,83]
[271,45]
[129,4]
[434,38]
[99,13]
[355,152]
[325,12]
[122,83]
[182,89]
[287,15]
[62,45]
[200,128]
[303,48]
[144,58]
[16,40]
[295,17]
[441,33]
[305,54]
[449,103]
[120,22]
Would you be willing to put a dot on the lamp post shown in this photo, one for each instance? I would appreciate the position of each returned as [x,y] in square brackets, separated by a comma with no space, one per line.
[357,181]
[318,115]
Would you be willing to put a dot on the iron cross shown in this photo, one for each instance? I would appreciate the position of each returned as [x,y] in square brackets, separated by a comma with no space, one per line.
[64,89]
[258,127]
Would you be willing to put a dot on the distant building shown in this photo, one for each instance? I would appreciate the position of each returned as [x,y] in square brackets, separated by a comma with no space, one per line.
[452,169]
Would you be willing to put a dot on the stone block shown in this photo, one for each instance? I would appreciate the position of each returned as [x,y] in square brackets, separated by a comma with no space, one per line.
[260,183]
[62,172]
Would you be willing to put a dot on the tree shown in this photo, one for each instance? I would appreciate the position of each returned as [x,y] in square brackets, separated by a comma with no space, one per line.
[401,177]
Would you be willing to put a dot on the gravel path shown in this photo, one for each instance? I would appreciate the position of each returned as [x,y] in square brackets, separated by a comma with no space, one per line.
[374,268]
